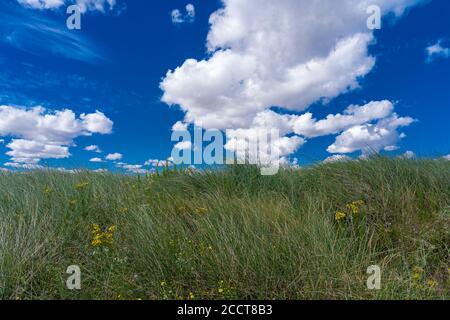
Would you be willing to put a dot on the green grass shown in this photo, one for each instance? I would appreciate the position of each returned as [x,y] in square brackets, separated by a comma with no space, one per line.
[230,234]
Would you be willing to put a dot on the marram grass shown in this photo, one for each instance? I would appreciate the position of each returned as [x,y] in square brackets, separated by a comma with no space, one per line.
[229,234]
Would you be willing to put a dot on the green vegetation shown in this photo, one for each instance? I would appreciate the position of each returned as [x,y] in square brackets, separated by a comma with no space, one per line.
[302,234]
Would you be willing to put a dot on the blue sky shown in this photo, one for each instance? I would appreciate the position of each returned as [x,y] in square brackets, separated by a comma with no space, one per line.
[115,69]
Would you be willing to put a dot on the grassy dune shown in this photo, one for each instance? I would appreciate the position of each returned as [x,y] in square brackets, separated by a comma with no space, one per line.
[302,234]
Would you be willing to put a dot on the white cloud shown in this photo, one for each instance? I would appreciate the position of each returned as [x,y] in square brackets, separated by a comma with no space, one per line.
[158,163]
[85,5]
[96,160]
[256,63]
[370,137]
[179,126]
[40,134]
[408,155]
[178,17]
[337,158]
[354,115]
[392,148]
[437,51]
[190,10]
[134,168]
[23,166]
[114,156]
[93,148]
[42,4]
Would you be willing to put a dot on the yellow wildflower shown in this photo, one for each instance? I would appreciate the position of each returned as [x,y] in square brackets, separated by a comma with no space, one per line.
[201,210]
[220,290]
[340,216]
[112,228]
[96,242]
[48,190]
[163,283]
[353,208]
[432,283]
[191,296]
[81,185]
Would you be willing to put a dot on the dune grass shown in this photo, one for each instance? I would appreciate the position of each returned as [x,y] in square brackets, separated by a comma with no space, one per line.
[229,234]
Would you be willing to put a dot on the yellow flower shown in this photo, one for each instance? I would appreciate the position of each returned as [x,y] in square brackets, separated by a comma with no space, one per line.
[48,190]
[81,185]
[220,290]
[96,242]
[112,228]
[191,296]
[340,216]
[124,210]
[432,283]
[201,210]
[163,283]
[353,208]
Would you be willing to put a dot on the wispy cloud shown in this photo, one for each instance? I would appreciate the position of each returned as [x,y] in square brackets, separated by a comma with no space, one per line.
[85,5]
[438,50]
[31,32]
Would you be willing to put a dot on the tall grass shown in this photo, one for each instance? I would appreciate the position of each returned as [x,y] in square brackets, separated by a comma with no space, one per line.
[230,234]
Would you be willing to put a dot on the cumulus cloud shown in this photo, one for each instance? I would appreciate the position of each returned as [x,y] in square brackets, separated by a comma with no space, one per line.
[27,166]
[408,155]
[41,134]
[96,160]
[133,168]
[337,158]
[159,163]
[178,17]
[437,51]
[256,63]
[370,137]
[85,5]
[93,148]
[114,156]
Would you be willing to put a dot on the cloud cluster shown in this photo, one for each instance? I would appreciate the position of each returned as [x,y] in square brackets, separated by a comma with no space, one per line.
[178,17]
[85,5]
[41,134]
[266,54]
